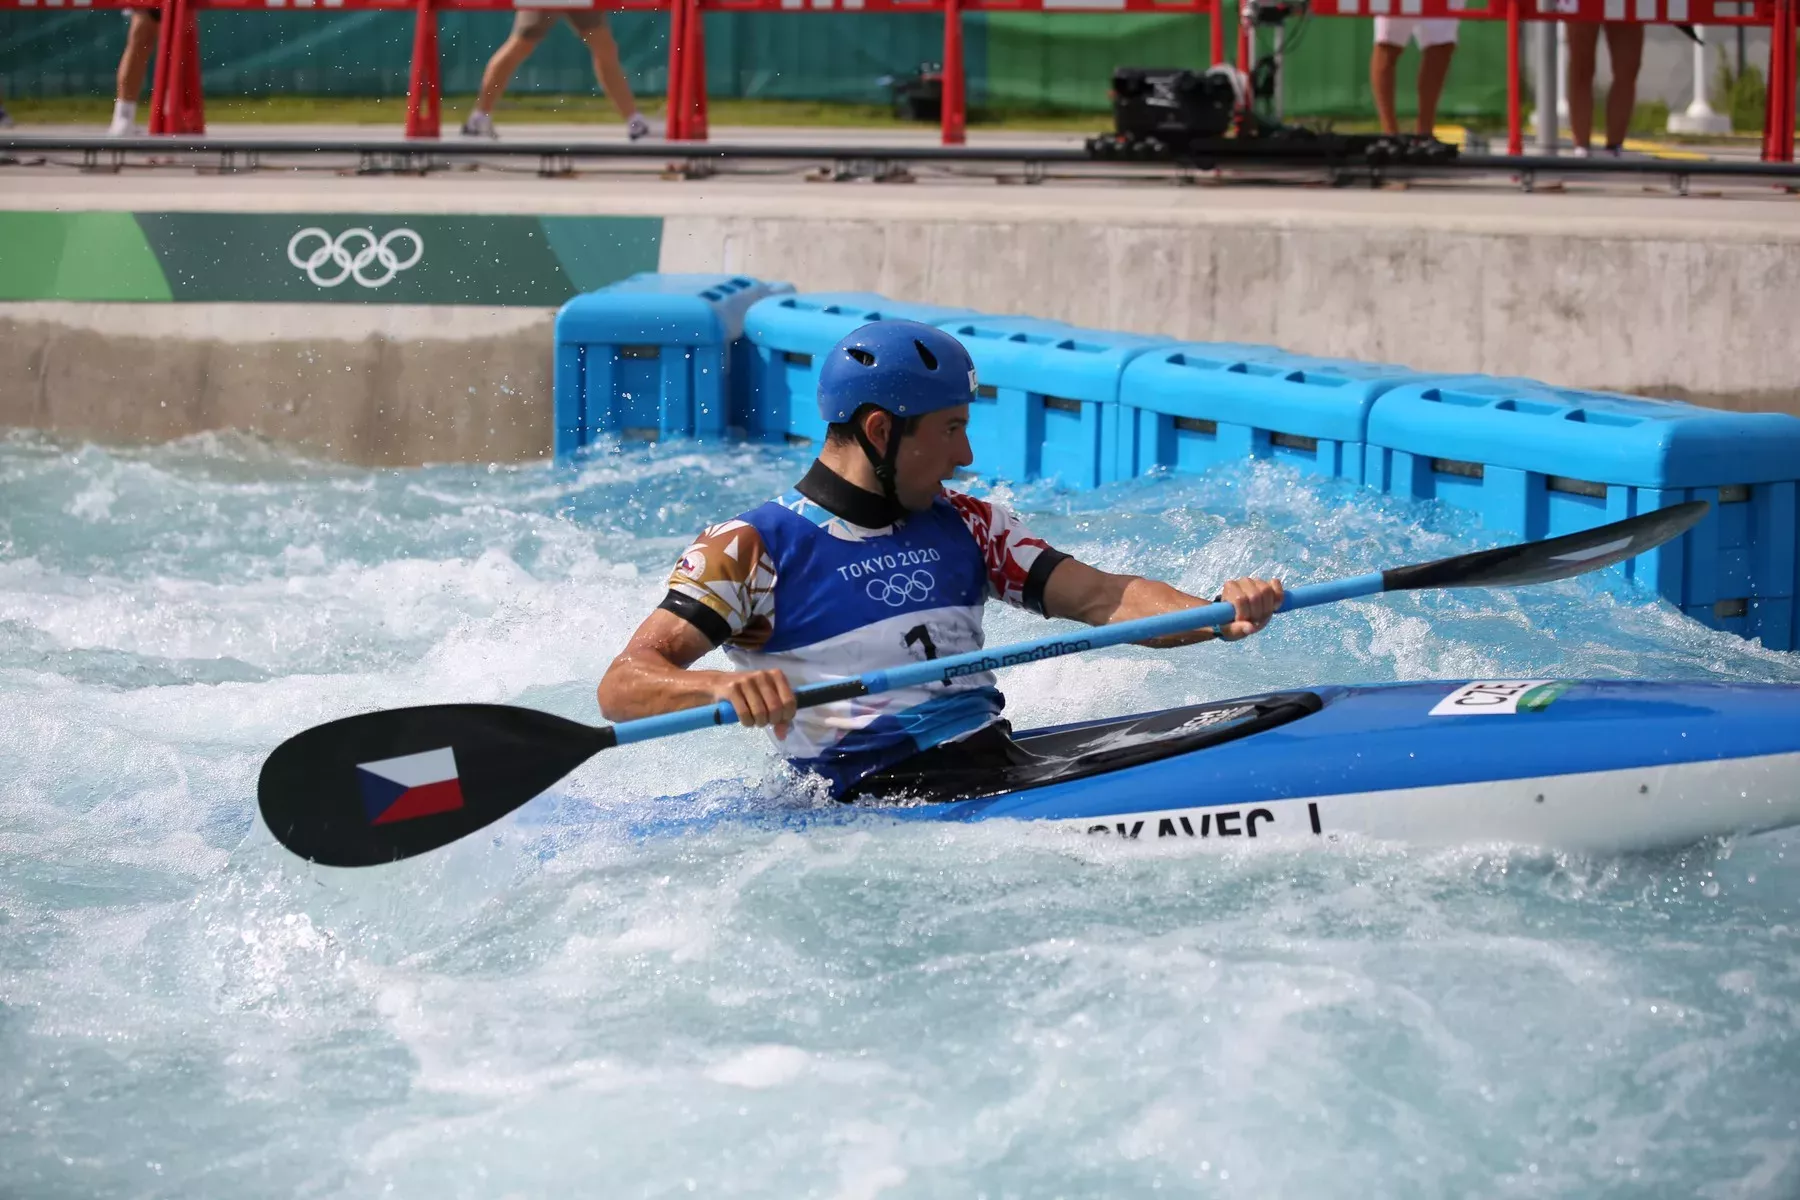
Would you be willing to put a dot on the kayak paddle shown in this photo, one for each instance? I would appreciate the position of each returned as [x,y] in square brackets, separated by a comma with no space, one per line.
[382,786]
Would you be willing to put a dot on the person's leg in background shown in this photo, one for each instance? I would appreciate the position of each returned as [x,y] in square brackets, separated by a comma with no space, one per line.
[1625,47]
[1391,36]
[591,26]
[1437,45]
[134,63]
[529,28]
[1584,43]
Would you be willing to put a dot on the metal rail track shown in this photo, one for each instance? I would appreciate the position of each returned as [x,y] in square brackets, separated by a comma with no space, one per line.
[842,162]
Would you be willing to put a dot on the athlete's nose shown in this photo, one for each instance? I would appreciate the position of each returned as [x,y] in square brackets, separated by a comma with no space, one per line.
[965,454]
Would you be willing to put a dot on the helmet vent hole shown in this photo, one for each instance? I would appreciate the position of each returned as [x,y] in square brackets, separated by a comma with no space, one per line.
[926,355]
[860,355]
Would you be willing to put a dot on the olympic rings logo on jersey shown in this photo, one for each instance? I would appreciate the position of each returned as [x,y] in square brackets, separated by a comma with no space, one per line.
[334,260]
[901,587]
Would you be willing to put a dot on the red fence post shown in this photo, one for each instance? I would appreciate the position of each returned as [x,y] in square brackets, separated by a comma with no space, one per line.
[1216,34]
[176,102]
[696,76]
[1768,138]
[1515,124]
[676,126]
[1778,102]
[424,93]
[953,119]
[162,94]
[1781,48]
[192,111]
[687,72]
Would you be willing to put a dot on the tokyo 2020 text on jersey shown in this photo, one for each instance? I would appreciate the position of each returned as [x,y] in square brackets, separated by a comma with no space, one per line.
[825,583]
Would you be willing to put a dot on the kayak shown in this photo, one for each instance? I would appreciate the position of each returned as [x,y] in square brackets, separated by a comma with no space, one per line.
[1580,765]
[1593,765]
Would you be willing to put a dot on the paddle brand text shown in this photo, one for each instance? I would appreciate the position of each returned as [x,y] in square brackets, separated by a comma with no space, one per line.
[993,662]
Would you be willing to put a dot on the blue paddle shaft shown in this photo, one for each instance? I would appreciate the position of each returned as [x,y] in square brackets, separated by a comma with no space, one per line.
[942,670]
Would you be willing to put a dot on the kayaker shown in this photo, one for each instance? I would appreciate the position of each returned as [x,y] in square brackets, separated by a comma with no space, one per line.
[870,562]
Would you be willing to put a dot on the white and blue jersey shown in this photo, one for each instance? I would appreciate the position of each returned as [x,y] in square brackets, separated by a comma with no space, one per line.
[829,581]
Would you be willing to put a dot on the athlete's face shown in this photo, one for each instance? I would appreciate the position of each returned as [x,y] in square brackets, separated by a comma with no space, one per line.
[932,453]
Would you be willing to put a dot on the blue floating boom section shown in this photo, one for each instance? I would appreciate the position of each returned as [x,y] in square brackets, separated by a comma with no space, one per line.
[1194,405]
[1538,461]
[653,355]
[787,337]
[1047,401]
[707,355]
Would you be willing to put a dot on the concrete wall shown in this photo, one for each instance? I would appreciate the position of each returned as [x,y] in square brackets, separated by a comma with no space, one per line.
[375,385]
[1668,313]
[1686,298]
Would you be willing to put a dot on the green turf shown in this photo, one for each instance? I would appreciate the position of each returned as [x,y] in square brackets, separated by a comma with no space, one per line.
[532,109]
[1649,121]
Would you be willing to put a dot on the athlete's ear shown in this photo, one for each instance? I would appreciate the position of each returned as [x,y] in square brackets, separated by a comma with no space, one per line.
[878,427]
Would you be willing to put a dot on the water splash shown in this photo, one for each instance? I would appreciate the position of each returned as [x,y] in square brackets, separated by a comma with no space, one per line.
[857,1010]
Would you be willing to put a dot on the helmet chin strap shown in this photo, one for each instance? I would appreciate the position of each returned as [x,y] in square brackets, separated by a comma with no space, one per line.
[883,462]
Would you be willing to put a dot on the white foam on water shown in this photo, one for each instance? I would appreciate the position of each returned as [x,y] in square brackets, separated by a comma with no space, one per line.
[876,1009]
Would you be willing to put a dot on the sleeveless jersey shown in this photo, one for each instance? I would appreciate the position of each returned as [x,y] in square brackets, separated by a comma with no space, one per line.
[793,585]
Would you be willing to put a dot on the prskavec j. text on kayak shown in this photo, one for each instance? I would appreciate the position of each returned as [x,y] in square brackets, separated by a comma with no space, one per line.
[1587,765]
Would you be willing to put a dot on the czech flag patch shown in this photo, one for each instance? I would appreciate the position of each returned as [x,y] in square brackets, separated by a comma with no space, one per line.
[413,785]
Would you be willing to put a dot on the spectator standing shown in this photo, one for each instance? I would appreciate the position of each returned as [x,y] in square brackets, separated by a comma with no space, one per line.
[529,28]
[1437,43]
[1625,47]
[140,44]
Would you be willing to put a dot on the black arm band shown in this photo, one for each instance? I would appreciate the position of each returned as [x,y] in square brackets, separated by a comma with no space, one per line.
[698,615]
[1039,575]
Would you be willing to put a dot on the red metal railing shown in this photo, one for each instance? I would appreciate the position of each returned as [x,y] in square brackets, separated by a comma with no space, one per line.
[176,105]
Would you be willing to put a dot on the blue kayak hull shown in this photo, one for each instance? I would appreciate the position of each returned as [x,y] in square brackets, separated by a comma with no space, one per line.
[1577,765]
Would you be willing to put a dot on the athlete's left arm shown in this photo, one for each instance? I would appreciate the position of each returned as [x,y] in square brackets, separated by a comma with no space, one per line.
[1025,570]
[1083,593]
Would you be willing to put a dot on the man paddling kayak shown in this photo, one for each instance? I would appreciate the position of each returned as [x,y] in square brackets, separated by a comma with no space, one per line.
[869,563]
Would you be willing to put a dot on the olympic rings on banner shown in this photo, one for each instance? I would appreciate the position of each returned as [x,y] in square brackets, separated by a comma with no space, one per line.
[351,254]
[900,587]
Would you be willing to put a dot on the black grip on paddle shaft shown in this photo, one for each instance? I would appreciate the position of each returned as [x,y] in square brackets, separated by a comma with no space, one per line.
[386,785]
[831,693]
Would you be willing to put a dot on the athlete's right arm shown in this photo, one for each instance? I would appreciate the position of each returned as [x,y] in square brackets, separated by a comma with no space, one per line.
[651,676]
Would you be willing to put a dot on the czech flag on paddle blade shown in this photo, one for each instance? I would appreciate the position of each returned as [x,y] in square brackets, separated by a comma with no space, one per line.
[413,785]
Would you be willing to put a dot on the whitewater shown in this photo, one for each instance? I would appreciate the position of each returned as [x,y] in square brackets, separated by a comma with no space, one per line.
[561,1005]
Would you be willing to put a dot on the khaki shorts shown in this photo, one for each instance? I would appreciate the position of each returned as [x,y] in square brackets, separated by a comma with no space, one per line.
[533,23]
[1431,31]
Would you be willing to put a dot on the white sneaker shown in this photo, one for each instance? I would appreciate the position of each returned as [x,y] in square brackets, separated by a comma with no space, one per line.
[638,128]
[1579,152]
[480,125]
[123,127]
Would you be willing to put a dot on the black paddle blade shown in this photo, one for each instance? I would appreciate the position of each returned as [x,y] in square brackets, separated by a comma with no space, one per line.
[1557,558]
[382,786]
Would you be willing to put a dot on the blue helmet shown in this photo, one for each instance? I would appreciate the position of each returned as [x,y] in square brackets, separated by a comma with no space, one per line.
[903,367]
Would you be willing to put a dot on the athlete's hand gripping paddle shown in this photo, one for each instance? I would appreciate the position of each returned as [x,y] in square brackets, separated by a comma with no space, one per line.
[386,785]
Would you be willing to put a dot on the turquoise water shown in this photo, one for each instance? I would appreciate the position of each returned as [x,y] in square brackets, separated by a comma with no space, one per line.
[186,1011]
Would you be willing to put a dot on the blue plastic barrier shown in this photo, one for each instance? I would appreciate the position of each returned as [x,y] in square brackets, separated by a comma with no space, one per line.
[653,355]
[787,334]
[1047,404]
[1540,461]
[1194,405]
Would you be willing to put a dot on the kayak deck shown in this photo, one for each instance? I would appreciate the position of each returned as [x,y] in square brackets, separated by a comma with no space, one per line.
[1579,765]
